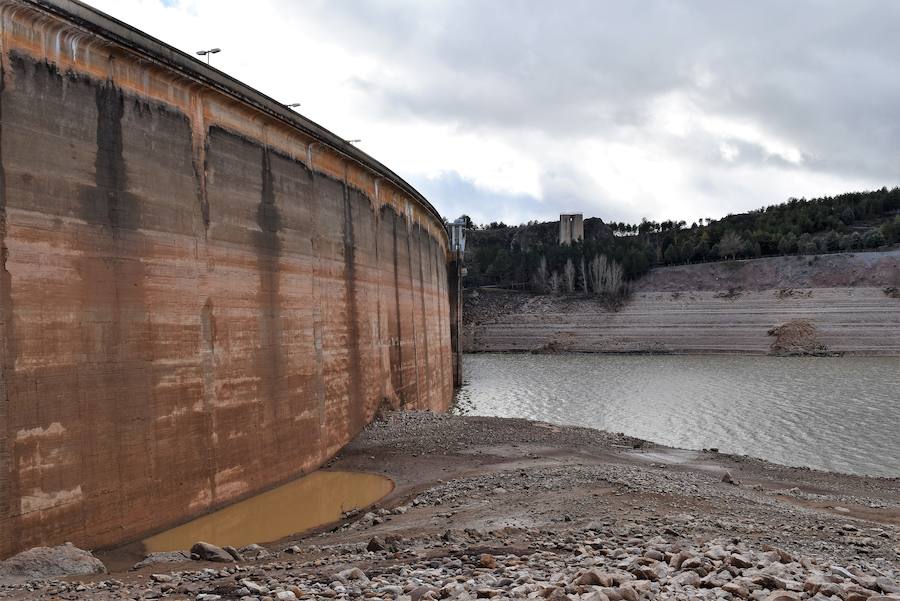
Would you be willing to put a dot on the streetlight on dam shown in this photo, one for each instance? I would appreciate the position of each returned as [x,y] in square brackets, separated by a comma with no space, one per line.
[207,53]
[352,141]
[292,105]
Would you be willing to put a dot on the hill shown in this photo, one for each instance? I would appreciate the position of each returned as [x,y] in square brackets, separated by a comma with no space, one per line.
[515,256]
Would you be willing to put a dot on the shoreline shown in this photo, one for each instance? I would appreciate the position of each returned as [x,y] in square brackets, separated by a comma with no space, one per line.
[677,353]
[517,490]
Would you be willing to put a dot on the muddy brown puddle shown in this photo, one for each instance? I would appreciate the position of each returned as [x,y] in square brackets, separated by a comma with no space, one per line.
[311,501]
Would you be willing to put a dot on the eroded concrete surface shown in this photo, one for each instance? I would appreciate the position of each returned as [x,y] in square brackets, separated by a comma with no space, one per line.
[189,312]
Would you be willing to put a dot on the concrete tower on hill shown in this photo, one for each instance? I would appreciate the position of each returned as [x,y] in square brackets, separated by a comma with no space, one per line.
[571,228]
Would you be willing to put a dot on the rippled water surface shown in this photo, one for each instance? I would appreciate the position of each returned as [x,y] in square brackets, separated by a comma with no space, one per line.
[831,413]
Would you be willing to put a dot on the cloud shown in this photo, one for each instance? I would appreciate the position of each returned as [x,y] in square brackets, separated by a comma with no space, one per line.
[516,110]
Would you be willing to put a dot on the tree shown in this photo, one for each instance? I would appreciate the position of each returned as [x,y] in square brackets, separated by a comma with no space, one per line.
[583,275]
[806,245]
[731,245]
[569,276]
[540,279]
[554,283]
[873,239]
[787,244]
[671,254]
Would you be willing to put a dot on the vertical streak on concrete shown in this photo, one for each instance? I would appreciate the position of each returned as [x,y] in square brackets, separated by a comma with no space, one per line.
[420,240]
[396,338]
[412,306]
[438,310]
[7,351]
[356,400]
[318,324]
[270,361]
[112,291]
[208,363]
[200,147]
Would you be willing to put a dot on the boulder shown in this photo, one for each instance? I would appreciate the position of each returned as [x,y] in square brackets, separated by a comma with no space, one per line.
[255,551]
[209,552]
[162,557]
[51,562]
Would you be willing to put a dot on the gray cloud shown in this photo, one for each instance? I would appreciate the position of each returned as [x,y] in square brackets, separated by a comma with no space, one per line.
[775,98]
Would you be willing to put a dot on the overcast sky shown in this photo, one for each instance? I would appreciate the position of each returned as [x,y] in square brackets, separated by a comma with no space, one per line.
[516,110]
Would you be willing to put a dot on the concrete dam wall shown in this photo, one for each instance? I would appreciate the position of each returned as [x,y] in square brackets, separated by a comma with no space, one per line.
[202,294]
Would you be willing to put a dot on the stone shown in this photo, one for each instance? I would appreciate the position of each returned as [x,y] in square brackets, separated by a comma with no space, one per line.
[352,574]
[487,561]
[253,587]
[678,559]
[285,596]
[42,563]
[209,552]
[782,595]
[419,592]
[736,589]
[162,557]
[739,561]
[235,554]
[255,551]
[594,578]
[375,544]
[654,554]
[727,479]
[887,586]
[688,579]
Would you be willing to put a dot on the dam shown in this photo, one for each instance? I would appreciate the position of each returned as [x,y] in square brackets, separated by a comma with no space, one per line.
[203,295]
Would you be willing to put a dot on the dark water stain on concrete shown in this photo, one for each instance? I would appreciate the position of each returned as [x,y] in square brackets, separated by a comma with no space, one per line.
[115,366]
[201,168]
[426,377]
[357,400]
[108,203]
[268,249]
[396,353]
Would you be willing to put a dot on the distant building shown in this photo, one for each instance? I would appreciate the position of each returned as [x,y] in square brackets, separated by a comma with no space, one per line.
[571,228]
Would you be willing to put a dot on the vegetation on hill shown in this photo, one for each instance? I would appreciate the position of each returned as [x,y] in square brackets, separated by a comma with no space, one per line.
[611,254]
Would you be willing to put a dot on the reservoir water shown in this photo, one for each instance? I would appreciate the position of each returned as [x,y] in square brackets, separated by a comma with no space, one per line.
[830,413]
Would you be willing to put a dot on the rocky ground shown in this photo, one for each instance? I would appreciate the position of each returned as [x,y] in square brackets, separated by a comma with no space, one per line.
[498,508]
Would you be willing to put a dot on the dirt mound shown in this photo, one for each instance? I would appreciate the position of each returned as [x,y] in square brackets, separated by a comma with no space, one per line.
[797,337]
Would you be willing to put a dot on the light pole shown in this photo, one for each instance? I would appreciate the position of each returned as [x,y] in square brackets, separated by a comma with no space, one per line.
[352,141]
[206,53]
[292,105]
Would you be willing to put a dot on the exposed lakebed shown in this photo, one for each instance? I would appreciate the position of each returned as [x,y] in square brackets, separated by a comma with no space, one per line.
[831,413]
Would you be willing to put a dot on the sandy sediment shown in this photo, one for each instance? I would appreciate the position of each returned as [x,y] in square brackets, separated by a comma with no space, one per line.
[844,304]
